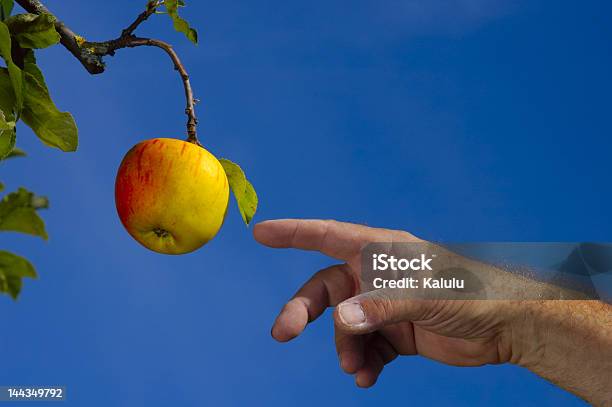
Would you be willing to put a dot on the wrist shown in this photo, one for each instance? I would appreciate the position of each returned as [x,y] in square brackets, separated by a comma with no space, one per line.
[528,333]
[569,343]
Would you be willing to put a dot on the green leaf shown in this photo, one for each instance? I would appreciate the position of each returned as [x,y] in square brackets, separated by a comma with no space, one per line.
[15,73]
[54,128]
[18,213]
[1,187]
[6,7]
[18,265]
[7,143]
[6,124]
[13,269]
[7,136]
[17,152]
[7,120]
[7,127]
[179,23]
[29,65]
[33,30]
[245,194]
[7,95]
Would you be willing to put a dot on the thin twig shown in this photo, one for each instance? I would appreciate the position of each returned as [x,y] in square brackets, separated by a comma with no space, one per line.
[192,120]
[142,17]
[90,53]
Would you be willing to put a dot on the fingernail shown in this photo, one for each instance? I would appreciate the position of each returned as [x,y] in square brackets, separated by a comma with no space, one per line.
[351,313]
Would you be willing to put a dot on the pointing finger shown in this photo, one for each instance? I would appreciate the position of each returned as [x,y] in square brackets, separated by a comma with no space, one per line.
[335,239]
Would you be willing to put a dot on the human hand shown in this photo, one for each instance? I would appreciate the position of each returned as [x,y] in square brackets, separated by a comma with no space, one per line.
[372,329]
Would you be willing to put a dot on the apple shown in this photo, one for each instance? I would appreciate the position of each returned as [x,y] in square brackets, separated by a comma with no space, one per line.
[171,195]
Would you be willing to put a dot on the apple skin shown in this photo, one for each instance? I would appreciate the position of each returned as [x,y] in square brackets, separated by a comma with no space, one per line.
[171,195]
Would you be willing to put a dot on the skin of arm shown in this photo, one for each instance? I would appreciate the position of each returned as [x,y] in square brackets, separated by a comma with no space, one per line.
[567,342]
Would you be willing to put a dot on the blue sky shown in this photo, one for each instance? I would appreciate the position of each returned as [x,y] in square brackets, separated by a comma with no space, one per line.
[466,120]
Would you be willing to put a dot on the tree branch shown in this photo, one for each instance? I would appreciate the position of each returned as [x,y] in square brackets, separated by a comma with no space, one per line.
[93,63]
[90,53]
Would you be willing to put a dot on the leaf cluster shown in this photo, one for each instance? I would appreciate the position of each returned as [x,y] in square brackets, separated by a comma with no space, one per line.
[23,92]
[24,96]
[19,213]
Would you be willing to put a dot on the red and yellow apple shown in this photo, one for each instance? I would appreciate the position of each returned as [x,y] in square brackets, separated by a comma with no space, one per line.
[171,195]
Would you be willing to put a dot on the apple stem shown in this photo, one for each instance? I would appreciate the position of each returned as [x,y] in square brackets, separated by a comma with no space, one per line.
[192,121]
[90,53]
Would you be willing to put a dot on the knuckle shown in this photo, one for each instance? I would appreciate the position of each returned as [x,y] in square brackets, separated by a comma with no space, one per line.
[380,309]
[405,236]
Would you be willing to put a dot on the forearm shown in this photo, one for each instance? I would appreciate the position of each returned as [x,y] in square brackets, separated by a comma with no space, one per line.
[568,343]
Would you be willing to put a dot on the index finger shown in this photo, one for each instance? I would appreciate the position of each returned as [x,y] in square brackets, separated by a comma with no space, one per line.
[339,240]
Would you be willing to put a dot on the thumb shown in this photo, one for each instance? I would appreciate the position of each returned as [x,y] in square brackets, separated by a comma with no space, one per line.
[371,311]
